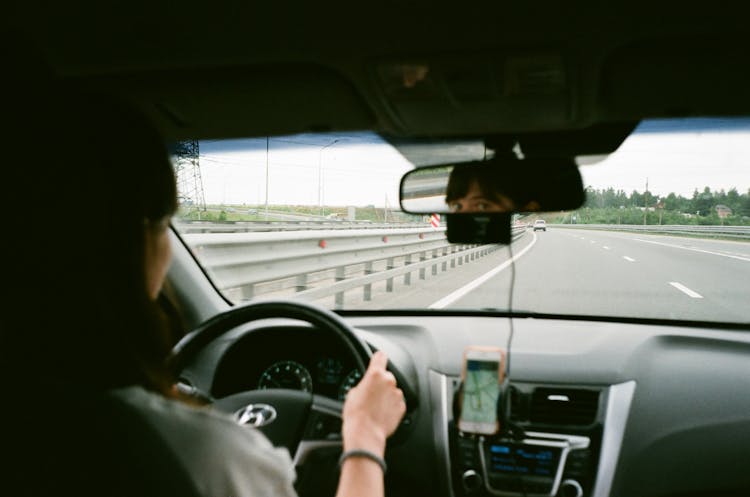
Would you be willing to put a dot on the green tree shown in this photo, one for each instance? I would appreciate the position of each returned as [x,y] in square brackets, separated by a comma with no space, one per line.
[744,205]
[671,202]
[636,199]
[702,203]
[621,199]
[733,200]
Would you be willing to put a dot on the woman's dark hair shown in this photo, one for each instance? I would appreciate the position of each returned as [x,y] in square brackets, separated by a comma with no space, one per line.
[87,175]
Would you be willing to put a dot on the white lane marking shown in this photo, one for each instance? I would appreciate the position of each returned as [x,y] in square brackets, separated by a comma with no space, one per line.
[452,297]
[605,247]
[629,259]
[593,241]
[746,259]
[686,290]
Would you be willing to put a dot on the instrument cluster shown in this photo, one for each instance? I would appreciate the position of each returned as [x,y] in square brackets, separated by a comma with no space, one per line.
[297,358]
[328,377]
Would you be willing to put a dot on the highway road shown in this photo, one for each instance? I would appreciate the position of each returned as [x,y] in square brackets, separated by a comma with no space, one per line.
[584,272]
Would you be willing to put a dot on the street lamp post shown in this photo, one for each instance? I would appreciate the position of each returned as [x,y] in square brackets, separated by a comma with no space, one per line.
[267,152]
[320,176]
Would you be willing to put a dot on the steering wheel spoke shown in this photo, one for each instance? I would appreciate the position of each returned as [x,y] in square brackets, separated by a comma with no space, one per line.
[324,420]
[322,431]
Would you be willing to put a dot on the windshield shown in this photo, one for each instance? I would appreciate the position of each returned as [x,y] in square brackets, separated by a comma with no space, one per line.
[664,232]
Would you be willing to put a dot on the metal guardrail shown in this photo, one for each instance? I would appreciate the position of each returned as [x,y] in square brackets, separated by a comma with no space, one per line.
[254,226]
[243,259]
[739,232]
[322,263]
[442,258]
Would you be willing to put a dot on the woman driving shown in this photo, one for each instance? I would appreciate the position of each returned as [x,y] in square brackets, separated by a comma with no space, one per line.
[84,337]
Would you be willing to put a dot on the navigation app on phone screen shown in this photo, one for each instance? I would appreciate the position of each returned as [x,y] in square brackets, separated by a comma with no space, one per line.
[480,392]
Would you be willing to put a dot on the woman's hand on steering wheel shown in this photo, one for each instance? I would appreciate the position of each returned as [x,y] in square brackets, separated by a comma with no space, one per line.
[373,409]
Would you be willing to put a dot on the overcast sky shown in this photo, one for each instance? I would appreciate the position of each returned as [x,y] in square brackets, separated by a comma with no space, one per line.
[362,169]
[677,159]
[344,169]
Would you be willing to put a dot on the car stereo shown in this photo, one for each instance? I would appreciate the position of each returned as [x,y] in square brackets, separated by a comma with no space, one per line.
[533,466]
[538,465]
[504,461]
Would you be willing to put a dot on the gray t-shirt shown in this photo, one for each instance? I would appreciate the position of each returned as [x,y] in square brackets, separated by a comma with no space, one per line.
[224,458]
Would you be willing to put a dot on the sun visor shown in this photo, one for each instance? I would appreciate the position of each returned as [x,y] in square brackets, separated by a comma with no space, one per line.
[242,102]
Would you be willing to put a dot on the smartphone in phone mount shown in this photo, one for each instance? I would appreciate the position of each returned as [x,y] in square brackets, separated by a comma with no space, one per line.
[480,394]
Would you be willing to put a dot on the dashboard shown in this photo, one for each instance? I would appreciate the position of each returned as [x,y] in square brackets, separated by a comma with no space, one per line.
[650,409]
[292,357]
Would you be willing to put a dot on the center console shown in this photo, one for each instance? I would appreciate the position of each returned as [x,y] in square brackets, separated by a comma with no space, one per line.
[553,449]
[540,464]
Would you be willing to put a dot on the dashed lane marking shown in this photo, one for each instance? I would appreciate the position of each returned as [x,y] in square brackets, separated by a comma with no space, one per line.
[686,290]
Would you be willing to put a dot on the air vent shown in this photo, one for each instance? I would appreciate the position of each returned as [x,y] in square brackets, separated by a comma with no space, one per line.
[519,405]
[563,406]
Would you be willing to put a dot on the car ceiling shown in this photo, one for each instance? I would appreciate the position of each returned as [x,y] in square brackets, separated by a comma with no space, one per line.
[405,69]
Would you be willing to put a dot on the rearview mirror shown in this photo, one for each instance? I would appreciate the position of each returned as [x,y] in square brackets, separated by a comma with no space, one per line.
[496,185]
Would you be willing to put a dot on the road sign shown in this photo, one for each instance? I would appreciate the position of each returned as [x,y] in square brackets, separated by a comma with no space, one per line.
[435,220]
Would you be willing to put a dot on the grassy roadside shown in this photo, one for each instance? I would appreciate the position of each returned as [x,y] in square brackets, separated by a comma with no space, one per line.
[249,213]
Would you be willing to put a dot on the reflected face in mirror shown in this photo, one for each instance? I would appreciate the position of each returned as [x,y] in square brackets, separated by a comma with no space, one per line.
[493,186]
[477,200]
[478,189]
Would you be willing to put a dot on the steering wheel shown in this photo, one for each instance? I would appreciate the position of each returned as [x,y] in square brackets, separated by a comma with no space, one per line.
[302,422]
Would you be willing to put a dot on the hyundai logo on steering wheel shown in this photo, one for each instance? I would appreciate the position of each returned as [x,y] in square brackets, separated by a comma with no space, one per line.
[256,415]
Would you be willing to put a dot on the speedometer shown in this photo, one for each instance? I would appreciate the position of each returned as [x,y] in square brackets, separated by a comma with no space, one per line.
[286,374]
[350,381]
[328,371]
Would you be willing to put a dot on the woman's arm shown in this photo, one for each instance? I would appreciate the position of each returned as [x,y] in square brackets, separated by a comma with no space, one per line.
[372,412]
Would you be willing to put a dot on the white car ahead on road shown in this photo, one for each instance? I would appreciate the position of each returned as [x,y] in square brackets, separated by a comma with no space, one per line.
[540,224]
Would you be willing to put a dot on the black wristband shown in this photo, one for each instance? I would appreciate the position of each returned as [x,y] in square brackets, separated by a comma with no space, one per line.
[363,453]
